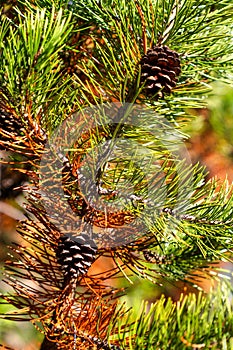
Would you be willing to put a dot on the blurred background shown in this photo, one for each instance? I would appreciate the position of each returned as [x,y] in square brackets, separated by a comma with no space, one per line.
[211,144]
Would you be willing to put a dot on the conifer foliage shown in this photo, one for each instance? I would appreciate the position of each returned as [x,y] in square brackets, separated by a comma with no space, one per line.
[93,98]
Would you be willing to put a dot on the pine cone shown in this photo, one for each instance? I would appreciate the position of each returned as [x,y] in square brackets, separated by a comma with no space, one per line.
[160,69]
[76,254]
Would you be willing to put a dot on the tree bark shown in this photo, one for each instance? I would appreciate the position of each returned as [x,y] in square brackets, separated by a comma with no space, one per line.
[48,345]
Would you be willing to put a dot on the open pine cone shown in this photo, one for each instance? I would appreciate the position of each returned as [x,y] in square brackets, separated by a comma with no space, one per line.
[160,69]
[76,254]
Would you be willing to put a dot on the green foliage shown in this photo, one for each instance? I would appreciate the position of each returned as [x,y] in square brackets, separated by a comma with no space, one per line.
[195,321]
[201,35]
[32,79]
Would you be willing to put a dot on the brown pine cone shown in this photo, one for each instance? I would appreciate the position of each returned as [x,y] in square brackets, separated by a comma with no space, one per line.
[160,69]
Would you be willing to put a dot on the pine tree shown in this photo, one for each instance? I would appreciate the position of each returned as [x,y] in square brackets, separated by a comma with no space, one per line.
[94,96]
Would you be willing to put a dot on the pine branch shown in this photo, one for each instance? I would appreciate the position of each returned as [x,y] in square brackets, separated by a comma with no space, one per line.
[160,55]
[33,78]
[198,49]
[192,322]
